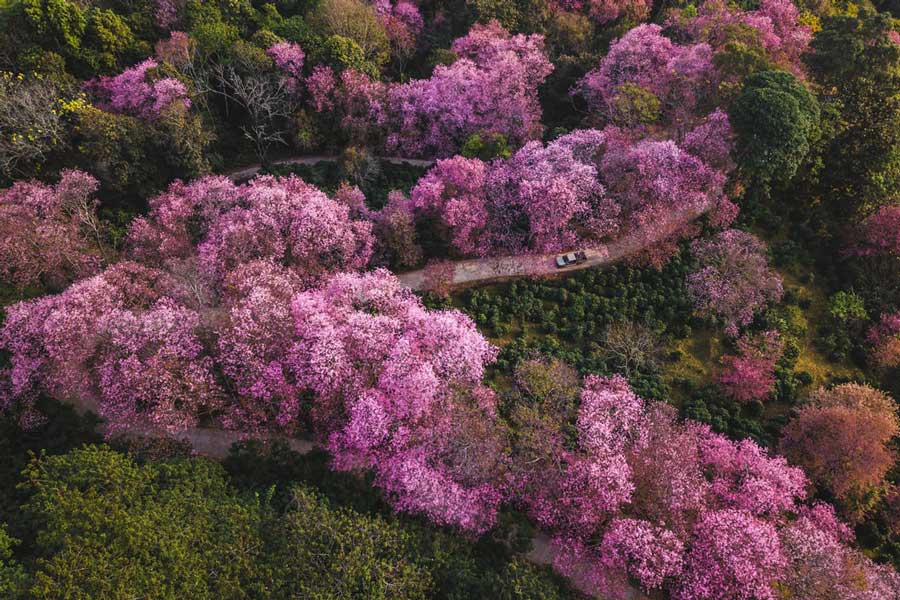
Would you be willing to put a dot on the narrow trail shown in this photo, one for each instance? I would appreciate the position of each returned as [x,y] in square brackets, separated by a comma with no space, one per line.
[216,443]
[246,172]
[481,271]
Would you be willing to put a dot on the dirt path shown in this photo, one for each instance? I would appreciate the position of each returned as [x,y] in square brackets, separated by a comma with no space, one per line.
[249,171]
[486,270]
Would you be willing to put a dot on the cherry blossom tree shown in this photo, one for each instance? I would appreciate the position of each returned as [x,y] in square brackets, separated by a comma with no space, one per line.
[647,80]
[733,281]
[490,88]
[749,375]
[50,234]
[880,233]
[775,28]
[224,225]
[394,383]
[734,555]
[840,438]
[659,188]
[135,92]
[884,337]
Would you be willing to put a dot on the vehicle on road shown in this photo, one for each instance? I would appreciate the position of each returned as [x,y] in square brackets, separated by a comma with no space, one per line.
[572,258]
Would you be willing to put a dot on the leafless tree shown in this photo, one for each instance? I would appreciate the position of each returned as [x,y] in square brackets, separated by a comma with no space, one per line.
[632,345]
[30,120]
[268,102]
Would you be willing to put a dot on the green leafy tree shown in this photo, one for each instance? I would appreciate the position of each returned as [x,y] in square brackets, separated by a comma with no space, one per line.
[776,120]
[12,575]
[857,65]
[58,20]
[110,528]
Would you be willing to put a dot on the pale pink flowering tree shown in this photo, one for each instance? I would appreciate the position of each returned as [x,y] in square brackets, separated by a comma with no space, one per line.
[648,553]
[224,225]
[50,234]
[390,380]
[252,347]
[884,338]
[152,369]
[134,92]
[880,233]
[733,555]
[644,67]
[745,476]
[749,375]
[733,280]
[54,341]
[821,564]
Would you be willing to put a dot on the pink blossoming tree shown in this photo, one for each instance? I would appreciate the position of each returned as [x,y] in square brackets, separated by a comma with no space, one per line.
[50,234]
[749,375]
[135,92]
[733,280]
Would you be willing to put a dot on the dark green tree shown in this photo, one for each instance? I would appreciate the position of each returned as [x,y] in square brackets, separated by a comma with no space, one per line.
[776,120]
[857,66]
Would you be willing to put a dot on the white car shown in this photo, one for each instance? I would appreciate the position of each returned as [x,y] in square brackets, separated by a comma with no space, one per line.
[572,258]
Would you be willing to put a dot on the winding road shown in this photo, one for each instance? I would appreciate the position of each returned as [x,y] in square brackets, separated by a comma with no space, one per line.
[246,172]
[216,443]
[479,271]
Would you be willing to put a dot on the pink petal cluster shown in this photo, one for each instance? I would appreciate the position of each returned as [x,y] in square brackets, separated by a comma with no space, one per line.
[750,375]
[733,280]
[225,225]
[131,92]
[884,338]
[880,233]
[48,234]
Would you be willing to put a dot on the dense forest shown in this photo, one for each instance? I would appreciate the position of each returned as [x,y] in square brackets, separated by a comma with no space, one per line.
[280,312]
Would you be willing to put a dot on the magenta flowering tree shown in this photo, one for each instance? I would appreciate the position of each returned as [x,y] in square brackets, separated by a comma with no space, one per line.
[288,58]
[393,384]
[403,24]
[884,338]
[491,88]
[453,194]
[135,91]
[750,375]
[252,347]
[556,191]
[733,280]
[734,555]
[55,341]
[774,27]
[660,188]
[152,370]
[648,553]
[542,199]
[820,562]
[50,234]
[880,233]
[646,80]
[224,226]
